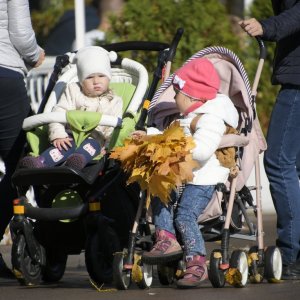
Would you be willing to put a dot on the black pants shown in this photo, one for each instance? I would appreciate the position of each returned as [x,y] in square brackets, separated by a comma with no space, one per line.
[14,107]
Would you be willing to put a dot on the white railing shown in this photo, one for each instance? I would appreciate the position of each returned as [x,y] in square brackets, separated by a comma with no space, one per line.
[37,81]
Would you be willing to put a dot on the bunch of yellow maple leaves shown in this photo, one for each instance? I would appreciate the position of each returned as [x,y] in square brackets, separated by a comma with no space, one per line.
[158,163]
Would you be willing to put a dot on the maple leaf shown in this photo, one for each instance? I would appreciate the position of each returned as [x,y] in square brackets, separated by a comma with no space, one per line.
[233,276]
[158,163]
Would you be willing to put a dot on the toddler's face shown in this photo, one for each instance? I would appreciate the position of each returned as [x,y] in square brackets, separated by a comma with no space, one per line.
[95,85]
[183,102]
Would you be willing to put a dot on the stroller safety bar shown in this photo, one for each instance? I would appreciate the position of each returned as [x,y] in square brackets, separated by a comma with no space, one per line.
[55,214]
[60,117]
[233,140]
[142,85]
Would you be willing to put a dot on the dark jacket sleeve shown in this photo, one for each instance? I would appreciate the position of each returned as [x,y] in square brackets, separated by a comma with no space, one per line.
[283,25]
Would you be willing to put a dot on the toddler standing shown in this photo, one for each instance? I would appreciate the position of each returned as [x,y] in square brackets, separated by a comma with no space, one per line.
[205,116]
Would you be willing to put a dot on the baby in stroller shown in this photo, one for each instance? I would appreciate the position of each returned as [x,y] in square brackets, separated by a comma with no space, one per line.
[206,115]
[89,209]
[91,93]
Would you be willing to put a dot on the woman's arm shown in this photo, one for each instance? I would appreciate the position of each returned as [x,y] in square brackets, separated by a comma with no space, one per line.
[21,33]
[283,25]
[276,27]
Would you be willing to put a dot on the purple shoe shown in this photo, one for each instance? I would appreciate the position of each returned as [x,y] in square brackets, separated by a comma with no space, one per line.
[32,162]
[76,161]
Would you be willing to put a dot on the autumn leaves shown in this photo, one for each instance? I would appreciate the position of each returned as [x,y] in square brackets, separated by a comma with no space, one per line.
[159,163]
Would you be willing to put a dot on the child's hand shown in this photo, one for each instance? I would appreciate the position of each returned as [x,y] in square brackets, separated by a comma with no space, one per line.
[103,151]
[136,135]
[63,143]
[194,123]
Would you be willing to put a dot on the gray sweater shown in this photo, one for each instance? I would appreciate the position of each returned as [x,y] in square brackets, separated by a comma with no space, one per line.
[18,45]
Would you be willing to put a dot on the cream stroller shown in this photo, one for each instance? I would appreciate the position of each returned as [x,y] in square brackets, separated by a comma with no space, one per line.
[226,215]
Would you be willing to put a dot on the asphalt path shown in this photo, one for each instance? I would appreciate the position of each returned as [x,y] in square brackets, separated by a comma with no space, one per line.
[76,284]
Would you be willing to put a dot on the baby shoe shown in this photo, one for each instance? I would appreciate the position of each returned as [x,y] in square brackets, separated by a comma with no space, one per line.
[76,161]
[165,249]
[196,272]
[32,162]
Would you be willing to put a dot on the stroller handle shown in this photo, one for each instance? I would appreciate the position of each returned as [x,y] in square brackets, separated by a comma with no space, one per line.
[262,48]
[136,45]
[174,44]
[61,117]
[262,56]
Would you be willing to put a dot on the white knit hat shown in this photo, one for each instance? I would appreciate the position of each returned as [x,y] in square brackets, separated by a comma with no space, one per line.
[94,59]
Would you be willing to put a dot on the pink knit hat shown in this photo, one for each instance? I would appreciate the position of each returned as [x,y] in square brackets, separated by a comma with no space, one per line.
[197,79]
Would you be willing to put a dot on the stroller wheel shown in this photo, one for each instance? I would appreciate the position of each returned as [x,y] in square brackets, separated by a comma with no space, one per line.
[239,263]
[216,275]
[26,270]
[55,266]
[273,264]
[122,277]
[166,274]
[99,250]
[142,274]
[256,269]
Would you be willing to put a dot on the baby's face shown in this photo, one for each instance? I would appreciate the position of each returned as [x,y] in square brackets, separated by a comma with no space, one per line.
[95,85]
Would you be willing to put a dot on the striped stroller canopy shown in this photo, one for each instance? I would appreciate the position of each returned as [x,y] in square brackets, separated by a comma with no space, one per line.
[234,83]
[229,67]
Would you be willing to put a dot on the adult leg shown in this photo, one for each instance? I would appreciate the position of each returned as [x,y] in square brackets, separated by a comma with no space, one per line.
[14,107]
[280,165]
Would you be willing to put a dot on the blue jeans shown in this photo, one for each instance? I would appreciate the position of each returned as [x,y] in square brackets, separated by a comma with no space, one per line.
[280,164]
[193,201]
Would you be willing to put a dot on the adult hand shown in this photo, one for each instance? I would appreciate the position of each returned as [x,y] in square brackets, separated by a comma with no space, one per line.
[252,27]
[63,143]
[41,58]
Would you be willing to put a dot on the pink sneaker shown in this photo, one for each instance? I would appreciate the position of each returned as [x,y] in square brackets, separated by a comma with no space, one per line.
[165,249]
[196,272]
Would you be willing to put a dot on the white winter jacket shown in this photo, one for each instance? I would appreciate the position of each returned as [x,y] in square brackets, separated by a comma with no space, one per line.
[18,46]
[73,99]
[208,133]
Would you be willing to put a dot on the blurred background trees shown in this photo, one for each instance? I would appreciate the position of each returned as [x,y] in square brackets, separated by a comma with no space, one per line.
[205,23]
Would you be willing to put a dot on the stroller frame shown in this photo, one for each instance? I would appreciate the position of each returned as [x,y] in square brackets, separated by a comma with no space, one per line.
[264,262]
